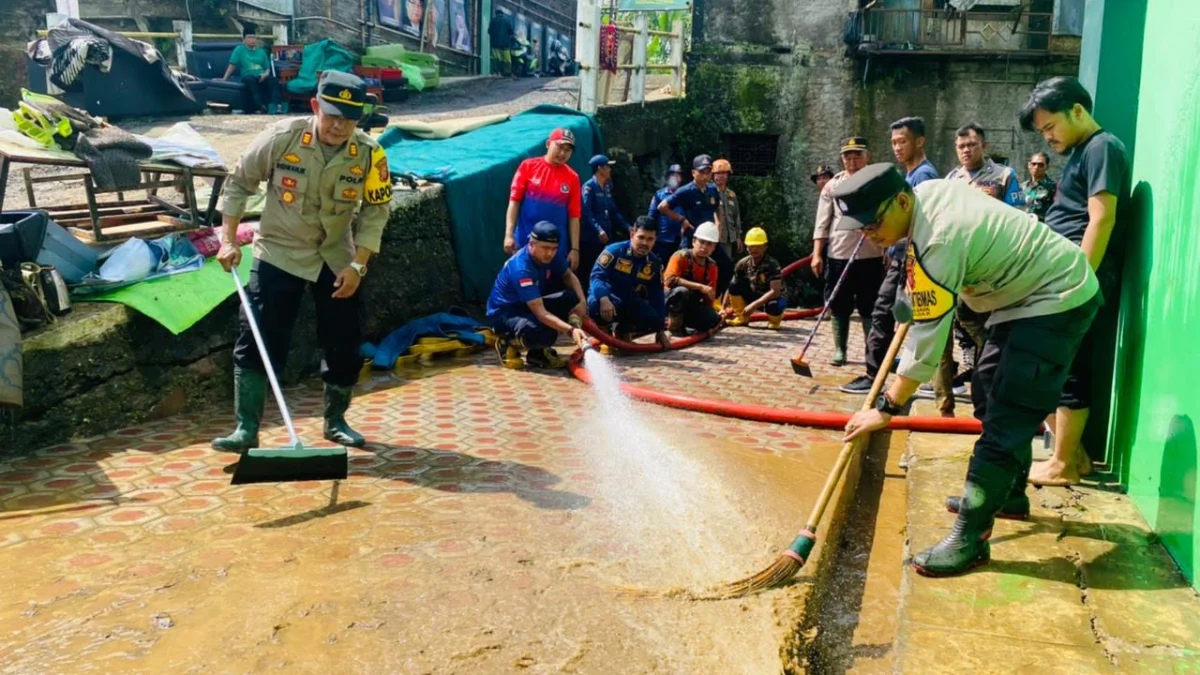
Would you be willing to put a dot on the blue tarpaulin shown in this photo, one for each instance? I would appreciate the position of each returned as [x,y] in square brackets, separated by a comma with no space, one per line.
[480,167]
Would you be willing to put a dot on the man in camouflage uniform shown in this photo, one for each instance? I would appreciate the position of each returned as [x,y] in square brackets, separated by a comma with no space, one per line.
[1039,189]
[327,204]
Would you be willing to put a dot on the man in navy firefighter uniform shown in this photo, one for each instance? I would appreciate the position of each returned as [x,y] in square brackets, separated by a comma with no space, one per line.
[627,286]
[535,299]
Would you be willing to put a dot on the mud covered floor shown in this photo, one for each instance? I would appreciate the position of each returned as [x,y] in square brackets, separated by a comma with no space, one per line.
[487,528]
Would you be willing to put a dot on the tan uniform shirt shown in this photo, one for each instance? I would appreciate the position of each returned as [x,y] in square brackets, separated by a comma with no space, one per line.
[731,220]
[966,247]
[312,215]
[841,242]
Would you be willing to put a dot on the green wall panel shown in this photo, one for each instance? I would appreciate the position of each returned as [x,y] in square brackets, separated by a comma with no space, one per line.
[1158,370]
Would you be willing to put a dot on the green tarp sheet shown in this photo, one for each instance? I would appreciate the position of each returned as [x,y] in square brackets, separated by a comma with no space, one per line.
[481,166]
[179,301]
[319,56]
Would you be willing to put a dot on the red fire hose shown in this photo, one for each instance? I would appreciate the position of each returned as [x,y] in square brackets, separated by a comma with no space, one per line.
[746,411]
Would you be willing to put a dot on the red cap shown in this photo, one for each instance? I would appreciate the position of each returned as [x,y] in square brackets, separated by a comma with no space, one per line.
[563,135]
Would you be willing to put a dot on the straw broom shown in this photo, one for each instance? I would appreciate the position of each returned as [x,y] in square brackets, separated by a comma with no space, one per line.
[794,557]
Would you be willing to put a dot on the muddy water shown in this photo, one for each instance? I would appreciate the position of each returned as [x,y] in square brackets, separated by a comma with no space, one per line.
[469,539]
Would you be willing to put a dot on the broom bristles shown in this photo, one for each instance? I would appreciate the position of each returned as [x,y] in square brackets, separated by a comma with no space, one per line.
[783,569]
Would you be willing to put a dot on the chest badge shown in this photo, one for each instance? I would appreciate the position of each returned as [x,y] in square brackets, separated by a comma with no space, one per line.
[565,188]
[291,158]
[288,197]
[357,170]
[930,300]
[647,272]
[625,266]
[349,193]
[288,181]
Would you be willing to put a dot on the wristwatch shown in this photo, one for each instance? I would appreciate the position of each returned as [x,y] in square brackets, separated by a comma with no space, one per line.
[361,269]
[887,406]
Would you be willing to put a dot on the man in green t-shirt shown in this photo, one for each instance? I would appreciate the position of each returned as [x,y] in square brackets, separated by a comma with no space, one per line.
[253,65]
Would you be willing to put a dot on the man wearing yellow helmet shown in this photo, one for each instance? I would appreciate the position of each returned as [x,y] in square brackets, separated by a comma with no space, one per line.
[758,274]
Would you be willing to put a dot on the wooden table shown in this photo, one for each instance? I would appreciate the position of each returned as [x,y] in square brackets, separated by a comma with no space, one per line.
[121,219]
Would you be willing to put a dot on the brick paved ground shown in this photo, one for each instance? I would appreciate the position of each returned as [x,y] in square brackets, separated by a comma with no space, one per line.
[485,529]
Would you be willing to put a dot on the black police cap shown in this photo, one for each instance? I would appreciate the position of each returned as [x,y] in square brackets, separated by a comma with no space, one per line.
[545,231]
[860,196]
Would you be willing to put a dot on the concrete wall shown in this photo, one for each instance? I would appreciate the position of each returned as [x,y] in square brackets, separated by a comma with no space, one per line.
[1156,403]
[779,67]
[106,367]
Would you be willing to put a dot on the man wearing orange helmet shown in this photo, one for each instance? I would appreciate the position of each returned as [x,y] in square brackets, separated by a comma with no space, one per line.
[730,243]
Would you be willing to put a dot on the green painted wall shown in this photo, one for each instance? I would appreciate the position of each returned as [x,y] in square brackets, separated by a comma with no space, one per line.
[1158,372]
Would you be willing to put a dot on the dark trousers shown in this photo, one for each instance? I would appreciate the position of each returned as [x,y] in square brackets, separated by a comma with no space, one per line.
[664,250]
[635,316]
[883,323]
[697,312]
[534,334]
[724,269]
[741,288]
[275,296]
[1017,383]
[970,332]
[262,92]
[859,290]
[589,252]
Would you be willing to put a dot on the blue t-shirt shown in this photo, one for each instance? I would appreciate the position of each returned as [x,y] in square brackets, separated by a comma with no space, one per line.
[921,173]
[699,206]
[668,230]
[521,281]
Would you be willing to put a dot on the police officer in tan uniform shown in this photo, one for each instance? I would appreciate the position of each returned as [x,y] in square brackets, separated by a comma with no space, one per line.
[328,192]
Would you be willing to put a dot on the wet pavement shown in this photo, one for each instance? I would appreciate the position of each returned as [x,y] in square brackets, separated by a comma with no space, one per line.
[1081,587]
[490,526]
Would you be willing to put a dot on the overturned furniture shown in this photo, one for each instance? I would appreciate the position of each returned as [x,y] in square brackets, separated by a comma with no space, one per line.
[111,221]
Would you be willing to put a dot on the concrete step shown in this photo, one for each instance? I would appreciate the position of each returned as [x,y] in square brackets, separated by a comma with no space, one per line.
[1082,587]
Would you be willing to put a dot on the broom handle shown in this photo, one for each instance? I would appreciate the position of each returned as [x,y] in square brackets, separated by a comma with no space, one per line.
[843,459]
[262,351]
[825,310]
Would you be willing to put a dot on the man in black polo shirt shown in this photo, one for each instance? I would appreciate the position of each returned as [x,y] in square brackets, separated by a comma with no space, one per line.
[1095,185]
[699,200]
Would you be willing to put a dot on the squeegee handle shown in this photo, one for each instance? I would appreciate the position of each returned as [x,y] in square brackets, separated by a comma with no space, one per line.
[829,304]
[262,351]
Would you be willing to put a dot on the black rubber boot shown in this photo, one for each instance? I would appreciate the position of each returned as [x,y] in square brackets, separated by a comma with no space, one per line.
[675,325]
[545,358]
[841,334]
[337,402]
[967,546]
[1016,508]
[249,399]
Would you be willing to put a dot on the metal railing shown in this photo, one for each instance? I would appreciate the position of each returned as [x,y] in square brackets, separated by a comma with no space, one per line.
[884,30]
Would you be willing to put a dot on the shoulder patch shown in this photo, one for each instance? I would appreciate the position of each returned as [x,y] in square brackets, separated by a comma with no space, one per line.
[353,147]
[378,189]
[306,139]
[930,300]
[605,259]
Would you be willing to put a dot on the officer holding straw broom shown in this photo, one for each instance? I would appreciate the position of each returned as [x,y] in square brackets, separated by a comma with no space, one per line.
[966,247]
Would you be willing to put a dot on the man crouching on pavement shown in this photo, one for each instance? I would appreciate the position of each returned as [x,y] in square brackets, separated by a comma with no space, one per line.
[312,235]
[965,246]
[627,286]
[758,274]
[535,299]
[692,276]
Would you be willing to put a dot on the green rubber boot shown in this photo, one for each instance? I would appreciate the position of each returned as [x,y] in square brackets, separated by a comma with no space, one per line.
[249,397]
[967,546]
[841,334]
[337,402]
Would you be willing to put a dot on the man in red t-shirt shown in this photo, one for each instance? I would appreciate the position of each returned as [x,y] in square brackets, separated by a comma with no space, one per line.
[545,188]
[691,281]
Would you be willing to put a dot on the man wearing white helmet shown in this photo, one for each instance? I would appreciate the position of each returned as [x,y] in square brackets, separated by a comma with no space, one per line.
[691,283]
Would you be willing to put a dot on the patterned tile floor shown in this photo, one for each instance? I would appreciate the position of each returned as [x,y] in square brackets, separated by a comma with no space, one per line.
[485,529]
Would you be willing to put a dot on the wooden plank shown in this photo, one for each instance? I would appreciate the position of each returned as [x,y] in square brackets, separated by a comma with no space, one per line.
[103,210]
[106,221]
[67,208]
[118,233]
